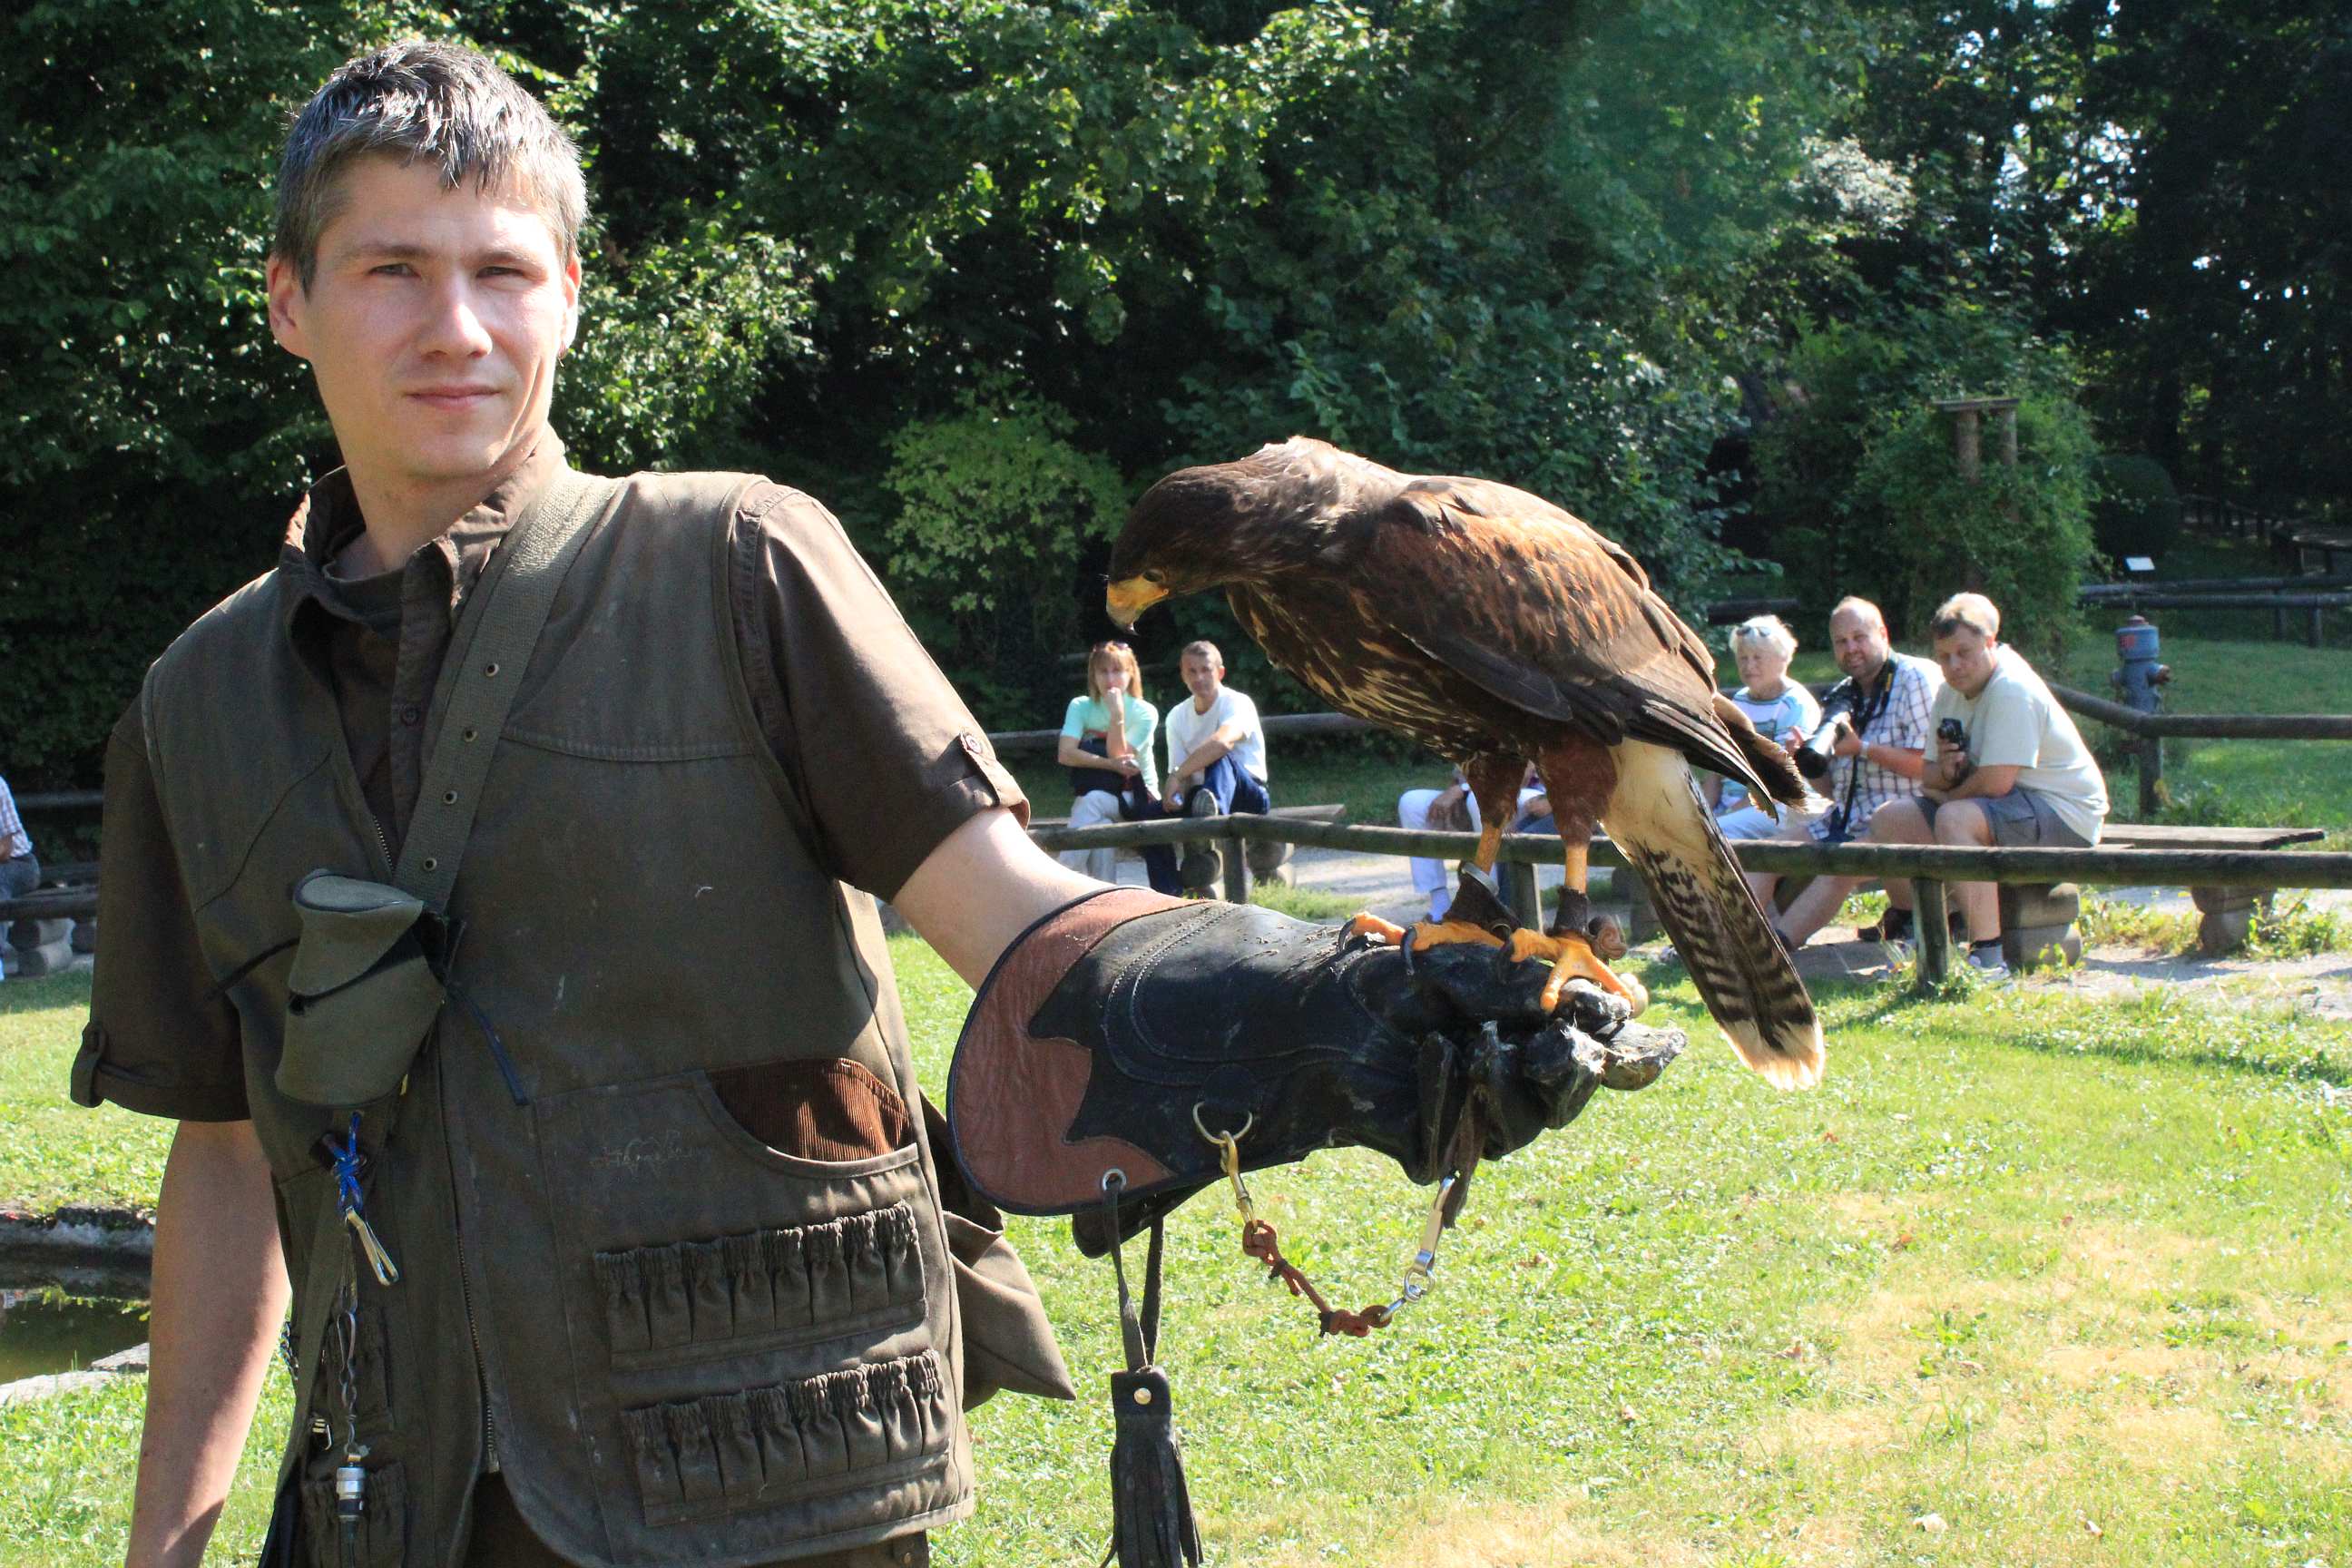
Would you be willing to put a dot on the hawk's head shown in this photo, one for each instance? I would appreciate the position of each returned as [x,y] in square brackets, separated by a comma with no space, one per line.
[1229,522]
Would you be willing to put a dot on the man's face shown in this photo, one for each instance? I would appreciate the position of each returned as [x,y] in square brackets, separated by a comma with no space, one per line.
[1967,659]
[432,325]
[1859,641]
[1202,676]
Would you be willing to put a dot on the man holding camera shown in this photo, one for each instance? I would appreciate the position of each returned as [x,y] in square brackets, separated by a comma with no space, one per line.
[2008,767]
[1868,752]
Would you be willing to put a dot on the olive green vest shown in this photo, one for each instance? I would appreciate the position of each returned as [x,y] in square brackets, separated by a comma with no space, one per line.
[677,1343]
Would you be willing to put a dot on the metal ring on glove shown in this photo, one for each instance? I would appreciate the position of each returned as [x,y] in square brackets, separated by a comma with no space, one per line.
[1114,1177]
[1220,1139]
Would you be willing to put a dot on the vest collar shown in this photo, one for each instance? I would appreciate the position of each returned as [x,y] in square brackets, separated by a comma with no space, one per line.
[328,519]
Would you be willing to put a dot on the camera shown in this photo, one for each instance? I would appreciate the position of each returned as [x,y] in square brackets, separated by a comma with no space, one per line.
[1952,732]
[1813,754]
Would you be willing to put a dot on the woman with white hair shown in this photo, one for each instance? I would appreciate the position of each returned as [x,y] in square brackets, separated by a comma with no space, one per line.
[1776,706]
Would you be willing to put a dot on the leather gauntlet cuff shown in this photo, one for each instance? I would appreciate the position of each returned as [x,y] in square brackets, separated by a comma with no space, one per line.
[1013,1094]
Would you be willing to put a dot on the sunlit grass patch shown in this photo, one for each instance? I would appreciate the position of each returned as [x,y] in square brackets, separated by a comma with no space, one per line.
[2064,1275]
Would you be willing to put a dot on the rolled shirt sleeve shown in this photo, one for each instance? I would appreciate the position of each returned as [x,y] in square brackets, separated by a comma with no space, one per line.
[161,1040]
[882,753]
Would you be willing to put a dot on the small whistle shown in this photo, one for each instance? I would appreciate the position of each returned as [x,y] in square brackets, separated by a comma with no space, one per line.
[351,1491]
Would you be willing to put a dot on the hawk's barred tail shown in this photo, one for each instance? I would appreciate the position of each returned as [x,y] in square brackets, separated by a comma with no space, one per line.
[1745,978]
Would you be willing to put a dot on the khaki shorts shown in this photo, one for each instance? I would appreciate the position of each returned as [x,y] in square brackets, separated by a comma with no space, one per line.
[2022,816]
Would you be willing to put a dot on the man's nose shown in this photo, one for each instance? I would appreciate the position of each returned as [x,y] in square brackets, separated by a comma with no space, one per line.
[455,325]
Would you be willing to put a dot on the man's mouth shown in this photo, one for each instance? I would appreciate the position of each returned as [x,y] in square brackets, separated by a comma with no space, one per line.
[453,397]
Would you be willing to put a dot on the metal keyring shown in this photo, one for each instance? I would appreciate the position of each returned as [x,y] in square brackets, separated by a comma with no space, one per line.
[1248,1122]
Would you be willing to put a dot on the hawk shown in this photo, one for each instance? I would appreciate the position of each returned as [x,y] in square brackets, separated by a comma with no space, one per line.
[1497,629]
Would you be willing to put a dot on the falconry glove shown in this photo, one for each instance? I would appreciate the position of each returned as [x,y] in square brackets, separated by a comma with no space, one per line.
[1129,1032]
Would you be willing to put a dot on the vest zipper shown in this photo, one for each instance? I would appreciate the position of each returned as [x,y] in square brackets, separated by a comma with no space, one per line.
[481,1370]
[466,1298]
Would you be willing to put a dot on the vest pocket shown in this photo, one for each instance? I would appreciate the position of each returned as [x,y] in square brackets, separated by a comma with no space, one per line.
[761,1290]
[842,1432]
[381,1535]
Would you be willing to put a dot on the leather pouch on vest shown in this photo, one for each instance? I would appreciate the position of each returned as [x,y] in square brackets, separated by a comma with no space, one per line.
[363,991]
[1125,1031]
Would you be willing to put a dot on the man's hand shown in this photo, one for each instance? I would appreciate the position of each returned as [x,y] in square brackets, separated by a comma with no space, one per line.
[1848,742]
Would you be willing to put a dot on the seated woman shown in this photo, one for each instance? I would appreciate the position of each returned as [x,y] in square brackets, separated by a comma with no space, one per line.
[1777,707]
[1453,810]
[1106,743]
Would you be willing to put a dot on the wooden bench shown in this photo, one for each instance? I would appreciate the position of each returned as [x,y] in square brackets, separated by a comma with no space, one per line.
[2224,915]
[1264,861]
[2038,918]
[43,932]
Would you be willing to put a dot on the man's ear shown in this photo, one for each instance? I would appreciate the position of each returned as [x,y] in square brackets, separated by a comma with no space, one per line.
[288,298]
[570,302]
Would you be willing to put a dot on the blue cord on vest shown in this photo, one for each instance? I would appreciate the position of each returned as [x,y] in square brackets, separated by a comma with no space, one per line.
[349,1199]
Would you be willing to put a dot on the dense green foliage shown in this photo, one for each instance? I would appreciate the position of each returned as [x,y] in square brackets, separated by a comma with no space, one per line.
[973,273]
[1861,479]
[2137,511]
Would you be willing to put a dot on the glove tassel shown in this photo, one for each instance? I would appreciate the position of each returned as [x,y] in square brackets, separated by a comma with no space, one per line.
[1151,1508]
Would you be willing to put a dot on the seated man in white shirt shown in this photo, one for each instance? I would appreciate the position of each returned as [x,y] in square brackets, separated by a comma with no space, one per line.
[1216,747]
[1454,810]
[2008,767]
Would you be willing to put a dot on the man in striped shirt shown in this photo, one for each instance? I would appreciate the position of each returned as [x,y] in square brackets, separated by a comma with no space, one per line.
[19,872]
[1882,709]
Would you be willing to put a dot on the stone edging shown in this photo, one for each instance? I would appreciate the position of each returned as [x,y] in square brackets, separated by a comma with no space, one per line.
[79,1234]
[130,1363]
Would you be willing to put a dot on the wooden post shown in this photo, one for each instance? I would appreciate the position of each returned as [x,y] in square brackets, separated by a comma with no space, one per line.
[2151,777]
[1237,872]
[1520,894]
[1968,443]
[1930,926]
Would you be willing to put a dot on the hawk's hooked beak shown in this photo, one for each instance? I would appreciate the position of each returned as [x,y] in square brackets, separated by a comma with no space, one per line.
[1128,598]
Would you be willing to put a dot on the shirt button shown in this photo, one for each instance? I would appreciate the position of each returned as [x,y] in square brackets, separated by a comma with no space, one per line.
[409,715]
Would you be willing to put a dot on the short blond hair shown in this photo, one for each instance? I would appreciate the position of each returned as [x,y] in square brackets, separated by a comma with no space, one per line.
[1770,630]
[1973,611]
[1203,649]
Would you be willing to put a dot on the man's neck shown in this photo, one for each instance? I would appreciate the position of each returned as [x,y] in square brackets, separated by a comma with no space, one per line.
[1202,704]
[402,517]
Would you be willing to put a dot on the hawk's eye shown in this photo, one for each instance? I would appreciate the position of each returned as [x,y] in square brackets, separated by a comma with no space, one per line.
[1156,577]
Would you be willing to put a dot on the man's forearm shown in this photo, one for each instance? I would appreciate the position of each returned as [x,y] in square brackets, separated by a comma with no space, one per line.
[1900,761]
[1202,758]
[220,1293]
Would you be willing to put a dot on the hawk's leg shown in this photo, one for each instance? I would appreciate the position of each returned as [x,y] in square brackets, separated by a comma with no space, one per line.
[1577,941]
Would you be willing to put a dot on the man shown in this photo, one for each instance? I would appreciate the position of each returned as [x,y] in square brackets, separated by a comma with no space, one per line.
[1216,748]
[2009,768]
[1455,810]
[20,873]
[1880,710]
[601,1182]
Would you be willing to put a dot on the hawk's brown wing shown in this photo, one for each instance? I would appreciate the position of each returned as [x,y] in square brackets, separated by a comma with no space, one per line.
[1539,609]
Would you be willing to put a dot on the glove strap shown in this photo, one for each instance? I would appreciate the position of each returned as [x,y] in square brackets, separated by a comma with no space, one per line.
[1151,1506]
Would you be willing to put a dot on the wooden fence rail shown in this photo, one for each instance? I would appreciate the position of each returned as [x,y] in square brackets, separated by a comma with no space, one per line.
[1926,867]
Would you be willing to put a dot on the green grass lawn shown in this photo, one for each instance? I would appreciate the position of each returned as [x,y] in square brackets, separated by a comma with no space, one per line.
[53,1151]
[2030,1278]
